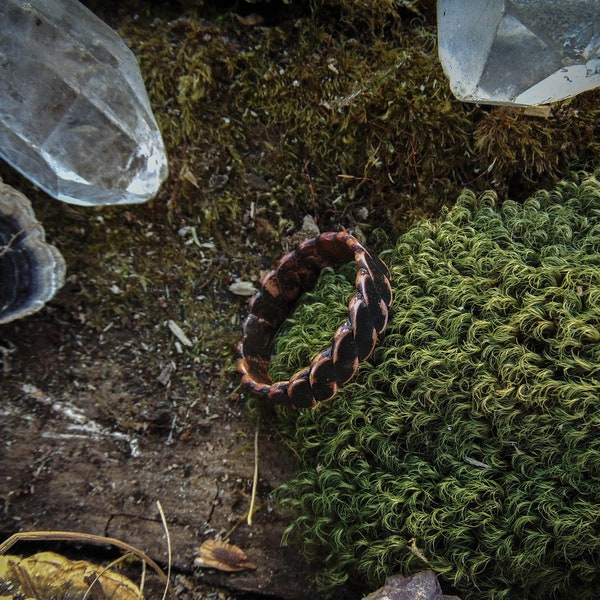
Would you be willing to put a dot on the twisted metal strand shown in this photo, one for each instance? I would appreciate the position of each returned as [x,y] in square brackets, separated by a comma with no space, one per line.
[354,340]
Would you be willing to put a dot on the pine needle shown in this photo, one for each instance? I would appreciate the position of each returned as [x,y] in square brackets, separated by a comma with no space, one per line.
[255,479]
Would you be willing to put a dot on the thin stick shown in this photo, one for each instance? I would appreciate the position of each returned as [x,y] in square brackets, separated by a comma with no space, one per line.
[169,556]
[143,580]
[255,480]
[312,190]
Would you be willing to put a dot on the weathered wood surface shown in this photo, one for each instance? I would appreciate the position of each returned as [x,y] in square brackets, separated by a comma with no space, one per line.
[69,461]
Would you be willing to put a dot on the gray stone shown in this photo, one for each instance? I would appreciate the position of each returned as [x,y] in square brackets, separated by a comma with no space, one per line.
[420,586]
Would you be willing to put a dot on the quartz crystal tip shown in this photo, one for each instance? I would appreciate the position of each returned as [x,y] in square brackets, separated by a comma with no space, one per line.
[75,117]
[519,52]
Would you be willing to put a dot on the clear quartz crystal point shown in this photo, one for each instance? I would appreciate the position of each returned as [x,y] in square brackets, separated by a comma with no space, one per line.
[74,114]
[519,52]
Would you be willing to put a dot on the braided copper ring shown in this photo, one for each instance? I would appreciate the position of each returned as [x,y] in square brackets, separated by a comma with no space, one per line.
[353,342]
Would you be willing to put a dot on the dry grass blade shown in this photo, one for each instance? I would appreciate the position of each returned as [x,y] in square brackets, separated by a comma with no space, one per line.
[169,552]
[254,479]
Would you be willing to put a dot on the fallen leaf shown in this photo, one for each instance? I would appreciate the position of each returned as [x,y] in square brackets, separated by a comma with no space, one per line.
[222,556]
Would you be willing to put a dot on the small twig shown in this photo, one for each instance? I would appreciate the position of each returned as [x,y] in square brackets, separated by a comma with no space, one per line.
[255,480]
[169,555]
[312,191]
[143,580]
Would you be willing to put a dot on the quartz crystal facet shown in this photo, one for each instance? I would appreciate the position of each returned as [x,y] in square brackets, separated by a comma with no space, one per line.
[74,114]
[521,52]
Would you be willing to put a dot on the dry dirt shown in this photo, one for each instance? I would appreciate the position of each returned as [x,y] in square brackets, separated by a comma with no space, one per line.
[103,414]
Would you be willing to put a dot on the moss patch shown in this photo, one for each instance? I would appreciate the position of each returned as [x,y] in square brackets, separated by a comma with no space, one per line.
[469,442]
[336,109]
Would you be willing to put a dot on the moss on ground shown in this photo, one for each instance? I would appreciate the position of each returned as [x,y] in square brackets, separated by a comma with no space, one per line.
[330,108]
[335,109]
[340,110]
[468,444]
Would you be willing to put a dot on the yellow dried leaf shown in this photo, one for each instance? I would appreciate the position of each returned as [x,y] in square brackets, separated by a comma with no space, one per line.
[50,576]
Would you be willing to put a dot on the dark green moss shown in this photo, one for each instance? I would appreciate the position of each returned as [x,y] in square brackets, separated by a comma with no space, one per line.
[340,110]
[470,439]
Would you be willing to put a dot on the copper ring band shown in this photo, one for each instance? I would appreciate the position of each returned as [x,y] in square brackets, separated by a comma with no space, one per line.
[353,342]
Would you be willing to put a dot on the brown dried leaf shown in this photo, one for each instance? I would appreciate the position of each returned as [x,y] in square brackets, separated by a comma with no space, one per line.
[222,556]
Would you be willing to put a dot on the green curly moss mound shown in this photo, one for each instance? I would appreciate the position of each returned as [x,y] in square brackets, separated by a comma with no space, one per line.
[471,440]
